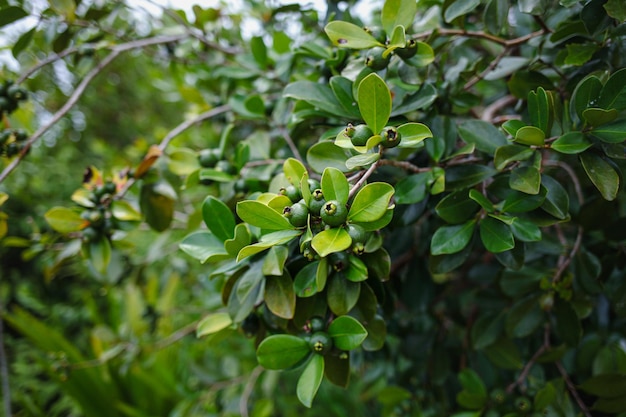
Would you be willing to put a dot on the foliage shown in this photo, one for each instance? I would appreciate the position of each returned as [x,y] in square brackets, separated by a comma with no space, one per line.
[427,201]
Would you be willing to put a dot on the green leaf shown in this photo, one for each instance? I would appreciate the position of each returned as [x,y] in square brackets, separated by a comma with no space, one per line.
[274,261]
[456,207]
[611,133]
[218,218]
[99,254]
[504,354]
[613,94]
[213,323]
[343,89]
[521,82]
[616,9]
[525,230]
[23,42]
[204,246]
[465,176]
[260,215]
[310,380]
[335,186]
[11,14]
[374,101]
[267,241]
[124,211]
[544,397]
[524,317]
[398,13]
[601,174]
[305,282]
[396,40]
[342,295]
[294,170]
[371,202]
[413,134]
[518,202]
[586,94]
[485,136]
[530,135]
[65,220]
[597,117]
[512,126]
[526,180]
[610,385]
[474,393]
[495,235]
[347,333]
[250,282]
[412,189]
[452,239]
[282,351]
[567,322]
[486,330]
[349,35]
[157,204]
[318,95]
[579,53]
[357,270]
[511,153]
[459,8]
[337,369]
[363,160]
[330,241]
[571,143]
[280,297]
[540,111]
[557,199]
[212,174]
[241,239]
[482,200]
[324,155]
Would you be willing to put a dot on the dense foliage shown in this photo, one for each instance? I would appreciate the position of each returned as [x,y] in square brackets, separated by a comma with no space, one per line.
[421,204]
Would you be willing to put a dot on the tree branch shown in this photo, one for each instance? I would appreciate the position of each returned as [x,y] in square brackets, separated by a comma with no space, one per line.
[481,35]
[491,110]
[522,376]
[291,144]
[4,369]
[247,391]
[572,389]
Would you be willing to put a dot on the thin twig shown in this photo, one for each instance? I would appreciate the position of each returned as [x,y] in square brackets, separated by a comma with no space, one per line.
[572,389]
[247,391]
[176,336]
[364,178]
[404,165]
[80,89]
[481,35]
[492,65]
[491,110]
[522,376]
[570,171]
[565,262]
[291,144]
[48,60]
[4,369]
[216,111]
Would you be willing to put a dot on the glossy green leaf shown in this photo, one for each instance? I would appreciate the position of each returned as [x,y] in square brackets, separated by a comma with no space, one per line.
[310,380]
[486,330]
[213,323]
[613,94]
[495,16]
[413,134]
[324,155]
[427,93]
[482,200]
[456,207]
[579,53]
[545,396]
[474,393]
[280,297]
[357,270]
[465,176]
[459,8]
[412,189]
[586,94]
[337,369]
[598,117]
[212,174]
[294,170]
[282,351]
[261,215]
[557,199]
[524,317]
[249,282]
[571,143]
[452,239]
[512,126]
[525,230]
[342,88]
[530,135]
[534,7]
[601,174]
[65,220]
[504,354]
[157,204]
[398,13]
[318,95]
[540,111]
[124,211]
[610,385]
[266,242]
[99,254]
[335,186]
[374,101]
[331,240]
[371,202]
[507,154]
[364,160]
[183,161]
[611,133]
[485,136]
[240,240]
[518,202]
[218,218]
[347,332]
[349,35]
[523,81]
[204,246]
[305,282]
[616,9]
[525,179]
[274,261]
[495,235]
[567,322]
[341,294]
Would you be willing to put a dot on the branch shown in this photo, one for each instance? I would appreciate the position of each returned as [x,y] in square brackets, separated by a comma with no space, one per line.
[291,144]
[247,391]
[572,389]
[570,171]
[491,110]
[116,50]
[522,376]
[565,262]
[50,59]
[366,175]
[404,165]
[482,35]
[492,65]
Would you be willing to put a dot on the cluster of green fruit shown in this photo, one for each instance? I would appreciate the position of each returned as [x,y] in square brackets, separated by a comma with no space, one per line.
[319,340]
[378,58]
[361,133]
[10,96]
[12,141]
[100,221]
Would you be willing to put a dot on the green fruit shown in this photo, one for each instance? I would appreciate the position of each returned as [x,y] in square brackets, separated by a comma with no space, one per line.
[359,237]
[20,135]
[241,186]
[408,51]
[292,192]
[361,134]
[313,184]
[391,137]
[251,325]
[316,324]
[4,104]
[339,260]
[309,253]
[17,93]
[298,214]
[498,396]
[208,157]
[375,59]
[90,234]
[109,187]
[225,166]
[523,404]
[377,32]
[317,202]
[321,342]
[334,213]
[12,149]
